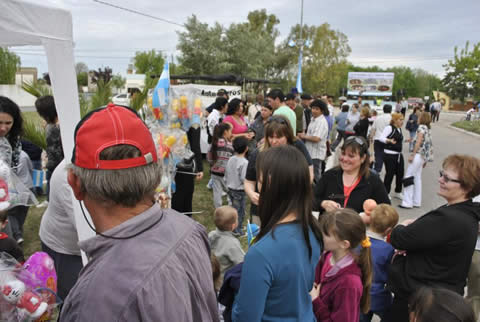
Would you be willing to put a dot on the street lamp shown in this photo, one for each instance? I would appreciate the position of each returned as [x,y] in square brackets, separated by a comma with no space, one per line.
[300,43]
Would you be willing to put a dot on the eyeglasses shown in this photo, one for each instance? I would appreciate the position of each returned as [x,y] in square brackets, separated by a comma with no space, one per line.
[359,140]
[446,178]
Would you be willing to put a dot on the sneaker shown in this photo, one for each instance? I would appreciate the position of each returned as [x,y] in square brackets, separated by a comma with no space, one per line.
[20,241]
[239,234]
[397,195]
[42,204]
[404,207]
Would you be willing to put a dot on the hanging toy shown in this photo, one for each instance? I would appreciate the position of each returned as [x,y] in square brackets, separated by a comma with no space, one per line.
[174,116]
[184,113]
[169,142]
[197,112]
[28,303]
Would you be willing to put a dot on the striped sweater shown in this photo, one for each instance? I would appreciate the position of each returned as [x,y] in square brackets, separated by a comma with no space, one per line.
[224,152]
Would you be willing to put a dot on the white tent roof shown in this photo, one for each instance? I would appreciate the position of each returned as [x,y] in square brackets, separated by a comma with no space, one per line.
[26,23]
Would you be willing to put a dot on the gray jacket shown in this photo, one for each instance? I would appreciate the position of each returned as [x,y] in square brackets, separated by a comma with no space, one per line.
[226,248]
[162,274]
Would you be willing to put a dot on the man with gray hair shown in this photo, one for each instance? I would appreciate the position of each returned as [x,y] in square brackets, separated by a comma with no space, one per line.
[145,263]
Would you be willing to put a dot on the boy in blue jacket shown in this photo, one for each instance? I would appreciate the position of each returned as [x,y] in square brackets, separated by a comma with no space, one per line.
[382,220]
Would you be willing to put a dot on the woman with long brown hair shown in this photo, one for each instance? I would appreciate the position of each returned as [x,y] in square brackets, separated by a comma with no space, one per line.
[279,268]
[277,132]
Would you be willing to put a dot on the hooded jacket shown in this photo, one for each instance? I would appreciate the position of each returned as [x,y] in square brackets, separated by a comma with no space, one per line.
[439,247]
[340,294]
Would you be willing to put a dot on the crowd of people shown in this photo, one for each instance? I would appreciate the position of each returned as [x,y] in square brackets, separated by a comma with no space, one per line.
[318,255]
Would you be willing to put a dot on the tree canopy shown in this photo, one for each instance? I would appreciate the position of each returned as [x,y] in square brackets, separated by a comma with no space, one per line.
[462,77]
[252,49]
[9,63]
[148,62]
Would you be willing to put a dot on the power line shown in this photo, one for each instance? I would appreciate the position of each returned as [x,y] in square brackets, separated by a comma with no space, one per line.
[139,13]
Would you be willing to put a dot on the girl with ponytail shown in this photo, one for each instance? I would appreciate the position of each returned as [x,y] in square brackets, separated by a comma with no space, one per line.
[344,274]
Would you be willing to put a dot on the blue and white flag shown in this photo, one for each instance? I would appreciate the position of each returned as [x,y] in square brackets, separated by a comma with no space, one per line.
[160,93]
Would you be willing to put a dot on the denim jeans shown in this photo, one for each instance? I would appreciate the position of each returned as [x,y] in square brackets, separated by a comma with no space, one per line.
[16,219]
[317,169]
[413,134]
[238,202]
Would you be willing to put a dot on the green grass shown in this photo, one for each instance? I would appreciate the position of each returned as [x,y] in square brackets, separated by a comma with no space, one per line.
[202,201]
[472,126]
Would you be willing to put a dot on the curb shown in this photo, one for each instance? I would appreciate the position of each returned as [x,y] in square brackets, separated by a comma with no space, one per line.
[464,131]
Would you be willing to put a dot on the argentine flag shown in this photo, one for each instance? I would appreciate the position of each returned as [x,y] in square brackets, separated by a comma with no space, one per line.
[160,93]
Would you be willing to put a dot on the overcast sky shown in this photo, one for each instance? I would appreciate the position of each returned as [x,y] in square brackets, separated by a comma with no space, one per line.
[414,33]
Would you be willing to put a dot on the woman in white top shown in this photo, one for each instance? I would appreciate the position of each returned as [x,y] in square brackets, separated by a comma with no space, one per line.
[392,137]
[422,153]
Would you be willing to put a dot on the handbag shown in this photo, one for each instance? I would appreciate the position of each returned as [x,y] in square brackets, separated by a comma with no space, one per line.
[406,182]
[187,164]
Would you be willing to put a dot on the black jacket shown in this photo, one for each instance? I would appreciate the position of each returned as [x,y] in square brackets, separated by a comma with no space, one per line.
[361,128]
[330,187]
[439,247]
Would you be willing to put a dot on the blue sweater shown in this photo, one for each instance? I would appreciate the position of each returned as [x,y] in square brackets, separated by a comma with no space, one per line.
[341,120]
[277,277]
[382,253]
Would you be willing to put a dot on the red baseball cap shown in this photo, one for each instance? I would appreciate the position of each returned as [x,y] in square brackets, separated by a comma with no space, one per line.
[110,126]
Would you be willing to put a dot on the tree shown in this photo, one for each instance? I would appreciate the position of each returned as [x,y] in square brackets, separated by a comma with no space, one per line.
[426,82]
[148,62]
[251,45]
[324,63]
[105,75]
[81,67]
[9,63]
[118,81]
[82,79]
[203,49]
[462,77]
[244,49]
[404,81]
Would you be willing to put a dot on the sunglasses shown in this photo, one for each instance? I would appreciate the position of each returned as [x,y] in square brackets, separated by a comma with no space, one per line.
[357,139]
[277,120]
[448,179]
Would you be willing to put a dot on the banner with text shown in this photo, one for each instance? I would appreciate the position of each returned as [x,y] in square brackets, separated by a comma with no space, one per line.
[370,84]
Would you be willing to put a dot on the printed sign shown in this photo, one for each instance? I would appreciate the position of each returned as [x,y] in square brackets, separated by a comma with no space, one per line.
[370,84]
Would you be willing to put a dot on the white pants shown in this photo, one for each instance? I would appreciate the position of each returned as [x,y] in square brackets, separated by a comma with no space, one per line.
[218,187]
[412,195]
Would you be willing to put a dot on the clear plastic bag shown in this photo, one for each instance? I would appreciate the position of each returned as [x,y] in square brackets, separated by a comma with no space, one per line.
[12,191]
[25,295]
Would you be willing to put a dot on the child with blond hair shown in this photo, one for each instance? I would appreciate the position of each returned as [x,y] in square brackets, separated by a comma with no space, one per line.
[382,220]
[225,246]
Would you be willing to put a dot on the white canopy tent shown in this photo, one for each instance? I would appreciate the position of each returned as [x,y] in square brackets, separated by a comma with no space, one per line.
[24,23]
